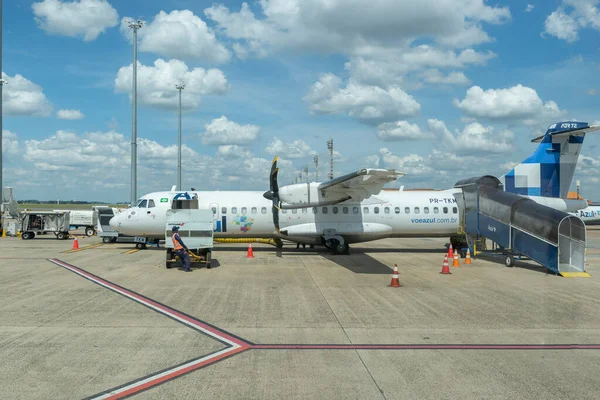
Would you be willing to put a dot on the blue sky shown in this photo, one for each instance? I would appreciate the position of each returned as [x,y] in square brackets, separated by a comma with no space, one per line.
[442,90]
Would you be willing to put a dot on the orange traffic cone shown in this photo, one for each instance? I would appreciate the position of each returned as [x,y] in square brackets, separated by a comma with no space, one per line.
[75,244]
[446,267]
[395,281]
[250,252]
[455,263]
[468,259]
[450,252]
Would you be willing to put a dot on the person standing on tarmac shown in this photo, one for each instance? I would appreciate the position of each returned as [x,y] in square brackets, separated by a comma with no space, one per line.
[181,250]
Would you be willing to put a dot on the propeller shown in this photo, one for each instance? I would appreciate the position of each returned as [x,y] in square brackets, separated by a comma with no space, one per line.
[273,193]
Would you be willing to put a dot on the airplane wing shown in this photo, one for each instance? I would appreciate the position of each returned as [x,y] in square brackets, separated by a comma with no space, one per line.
[359,185]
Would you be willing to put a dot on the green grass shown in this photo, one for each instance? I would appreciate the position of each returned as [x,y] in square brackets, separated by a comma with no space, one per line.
[55,206]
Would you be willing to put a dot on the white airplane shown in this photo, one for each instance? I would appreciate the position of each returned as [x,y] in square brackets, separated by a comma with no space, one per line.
[589,215]
[352,209]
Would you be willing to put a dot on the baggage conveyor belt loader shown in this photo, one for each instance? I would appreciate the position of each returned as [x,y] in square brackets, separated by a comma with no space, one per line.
[196,231]
[520,226]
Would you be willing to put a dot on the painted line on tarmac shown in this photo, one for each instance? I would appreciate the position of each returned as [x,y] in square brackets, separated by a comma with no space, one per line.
[426,346]
[131,251]
[92,246]
[235,345]
[208,329]
[161,377]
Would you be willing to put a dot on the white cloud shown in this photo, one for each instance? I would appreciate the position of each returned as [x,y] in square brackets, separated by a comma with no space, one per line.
[515,103]
[79,18]
[473,138]
[233,151]
[453,78]
[10,143]
[372,161]
[20,96]
[391,67]
[223,131]
[156,84]
[365,103]
[179,34]
[412,164]
[529,8]
[69,114]
[400,130]
[565,22]
[592,92]
[348,27]
[296,149]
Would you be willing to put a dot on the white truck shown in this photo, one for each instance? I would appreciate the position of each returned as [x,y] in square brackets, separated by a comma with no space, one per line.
[83,219]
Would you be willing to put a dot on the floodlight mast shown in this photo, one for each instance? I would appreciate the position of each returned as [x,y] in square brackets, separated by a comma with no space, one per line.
[135,26]
[179,87]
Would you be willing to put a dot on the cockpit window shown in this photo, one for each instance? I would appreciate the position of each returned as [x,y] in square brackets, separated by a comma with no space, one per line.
[151,203]
[142,204]
[139,202]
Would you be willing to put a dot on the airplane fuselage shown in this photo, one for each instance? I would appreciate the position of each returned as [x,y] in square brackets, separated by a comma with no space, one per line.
[248,214]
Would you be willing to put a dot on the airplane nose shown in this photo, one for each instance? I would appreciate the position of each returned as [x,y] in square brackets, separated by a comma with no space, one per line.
[114,223]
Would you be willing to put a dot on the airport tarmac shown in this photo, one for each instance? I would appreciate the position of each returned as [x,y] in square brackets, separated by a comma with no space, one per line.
[297,324]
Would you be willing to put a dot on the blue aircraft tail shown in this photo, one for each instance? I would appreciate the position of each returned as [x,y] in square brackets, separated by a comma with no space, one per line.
[548,172]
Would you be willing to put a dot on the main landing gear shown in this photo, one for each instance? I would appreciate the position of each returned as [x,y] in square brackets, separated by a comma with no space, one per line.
[337,246]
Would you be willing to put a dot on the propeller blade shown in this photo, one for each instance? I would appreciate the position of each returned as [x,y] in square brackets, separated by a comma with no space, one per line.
[274,193]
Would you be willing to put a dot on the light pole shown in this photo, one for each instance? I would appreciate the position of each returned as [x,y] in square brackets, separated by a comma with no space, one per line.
[330,148]
[316,160]
[179,87]
[135,26]
[2,82]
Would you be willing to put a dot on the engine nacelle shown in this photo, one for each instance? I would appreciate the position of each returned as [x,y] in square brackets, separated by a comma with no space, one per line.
[302,195]
[565,205]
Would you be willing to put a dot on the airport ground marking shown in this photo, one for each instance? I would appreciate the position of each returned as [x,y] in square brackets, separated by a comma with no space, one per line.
[131,251]
[235,345]
[91,246]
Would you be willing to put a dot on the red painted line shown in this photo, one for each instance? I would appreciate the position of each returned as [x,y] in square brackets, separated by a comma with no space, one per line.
[146,301]
[164,377]
[426,347]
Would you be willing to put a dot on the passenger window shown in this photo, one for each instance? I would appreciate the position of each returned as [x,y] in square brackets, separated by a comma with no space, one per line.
[304,211]
[254,210]
[324,210]
[345,210]
[355,210]
[436,210]
[214,210]
[365,210]
[244,210]
[376,210]
[143,204]
[397,210]
[445,210]
[417,210]
[223,210]
[407,210]
[314,210]
[263,210]
[335,210]
[295,211]
[386,210]
[284,211]
[151,203]
[234,210]
[454,210]
[426,210]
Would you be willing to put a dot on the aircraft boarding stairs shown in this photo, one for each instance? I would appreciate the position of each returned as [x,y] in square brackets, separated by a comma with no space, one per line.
[554,239]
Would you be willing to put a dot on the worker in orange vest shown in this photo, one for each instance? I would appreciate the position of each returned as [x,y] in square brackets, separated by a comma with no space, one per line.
[181,250]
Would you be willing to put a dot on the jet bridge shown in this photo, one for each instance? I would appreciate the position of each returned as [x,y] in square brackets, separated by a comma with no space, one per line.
[553,238]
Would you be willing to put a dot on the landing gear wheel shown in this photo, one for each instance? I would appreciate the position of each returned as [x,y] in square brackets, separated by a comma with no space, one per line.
[106,239]
[509,261]
[342,249]
[140,246]
[89,231]
[208,263]
[113,240]
[169,261]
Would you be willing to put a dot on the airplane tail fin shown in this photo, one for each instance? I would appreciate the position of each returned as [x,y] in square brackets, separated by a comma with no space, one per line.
[548,172]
